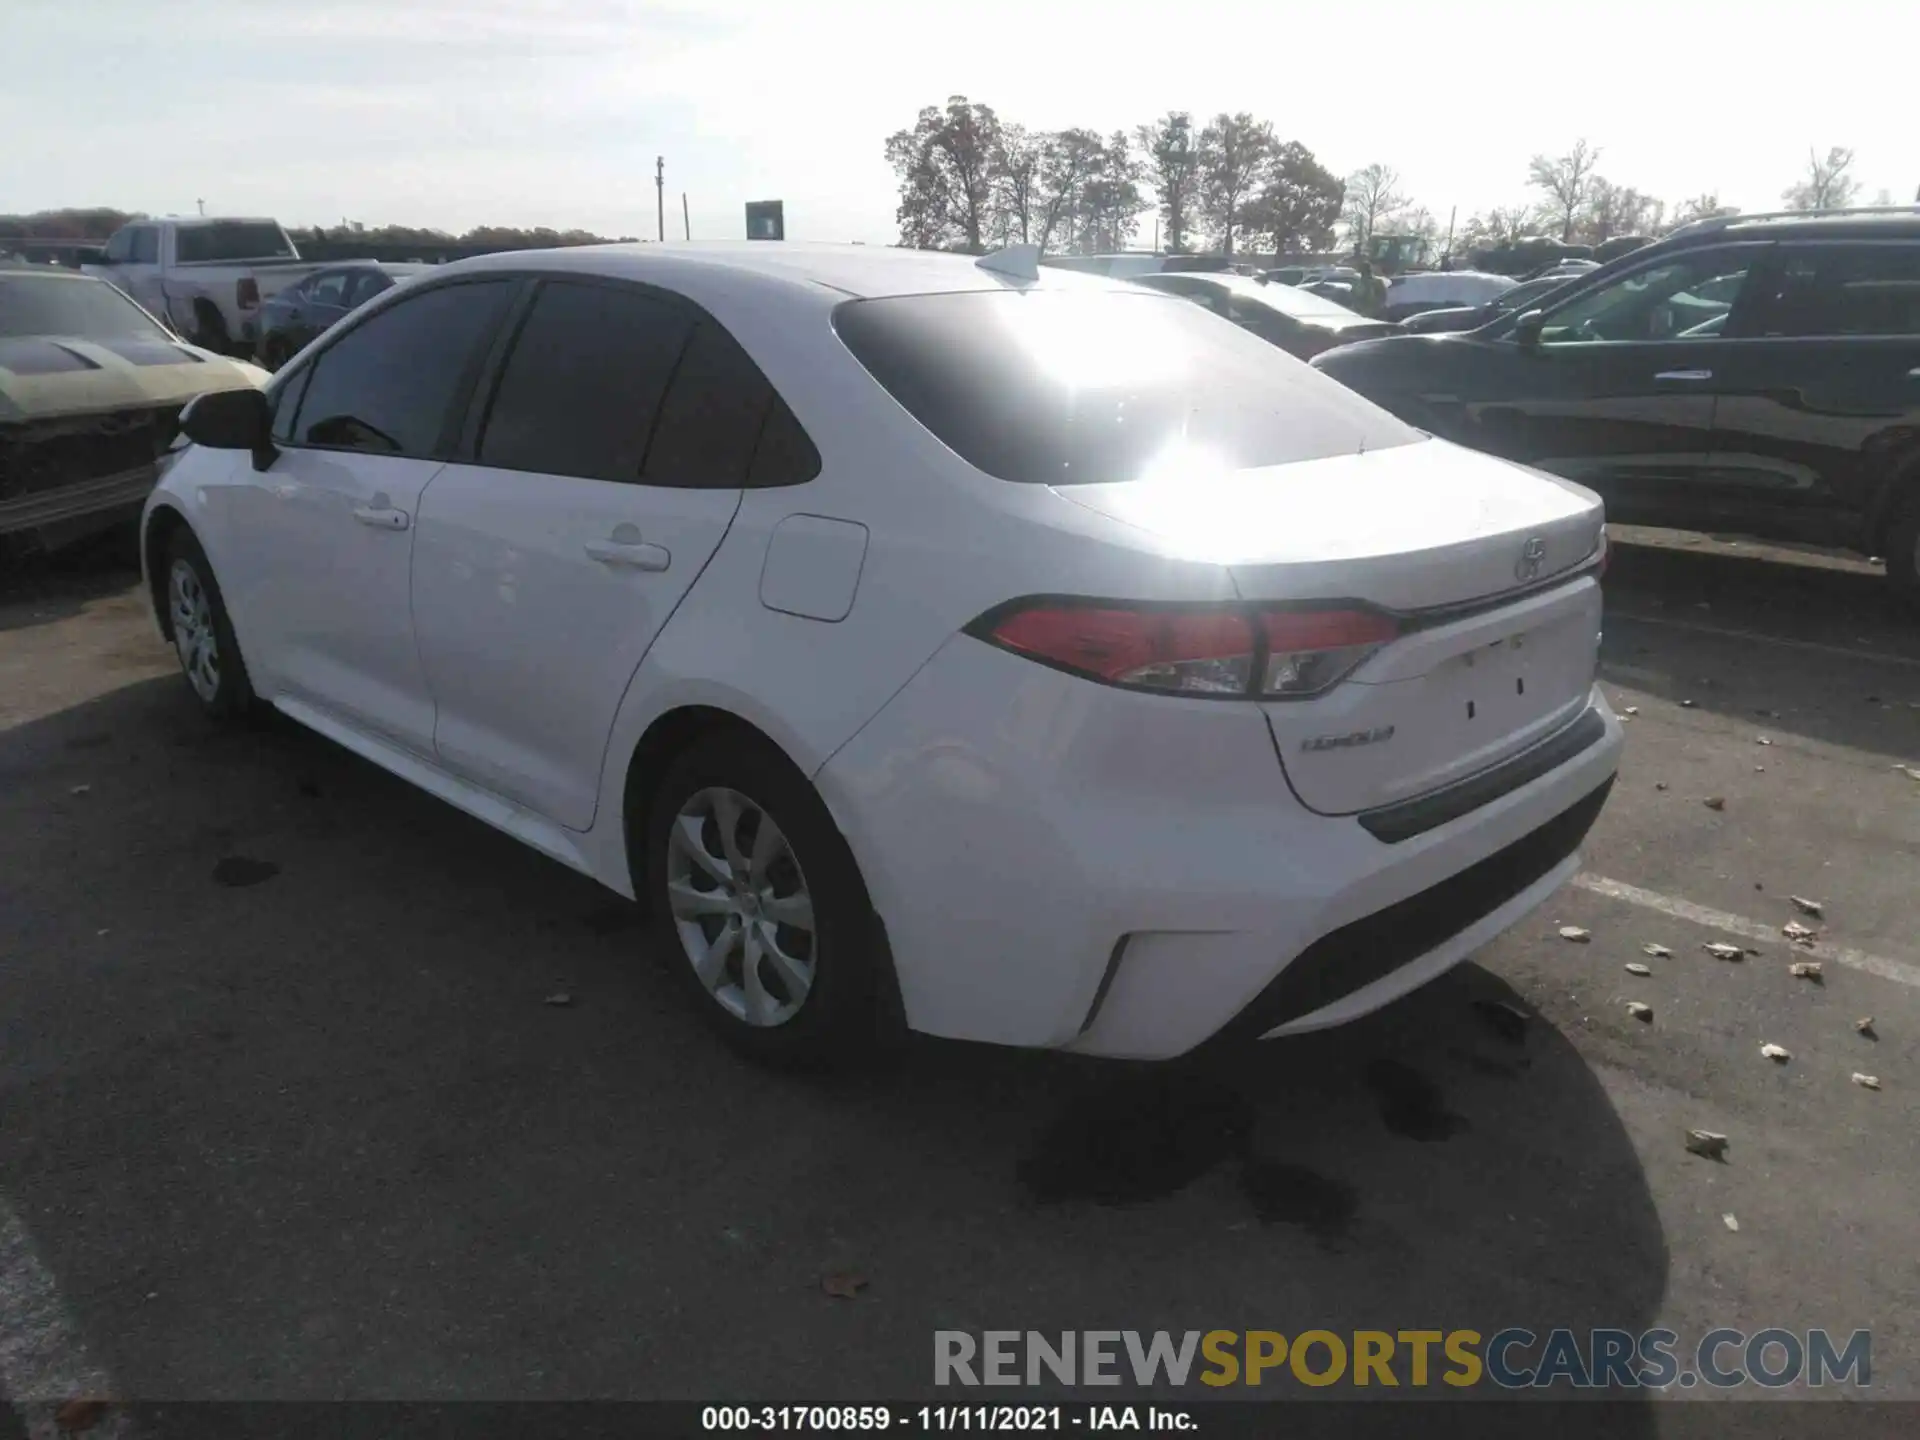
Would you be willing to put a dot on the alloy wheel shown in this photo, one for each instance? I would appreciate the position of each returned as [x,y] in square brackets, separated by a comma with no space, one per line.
[741,906]
[193,632]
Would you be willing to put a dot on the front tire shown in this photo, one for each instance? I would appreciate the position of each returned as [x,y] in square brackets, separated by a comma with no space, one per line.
[758,906]
[203,639]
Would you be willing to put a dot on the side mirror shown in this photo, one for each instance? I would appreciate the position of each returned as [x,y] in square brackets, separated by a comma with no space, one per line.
[1526,330]
[229,420]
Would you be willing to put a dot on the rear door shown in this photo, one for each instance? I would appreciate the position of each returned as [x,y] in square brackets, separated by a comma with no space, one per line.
[604,464]
[1619,393]
[1819,400]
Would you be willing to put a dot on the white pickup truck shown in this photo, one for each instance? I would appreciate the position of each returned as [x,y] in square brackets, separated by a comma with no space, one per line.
[204,276]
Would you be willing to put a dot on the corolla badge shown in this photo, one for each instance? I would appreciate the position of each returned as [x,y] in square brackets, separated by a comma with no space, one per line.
[1532,555]
[1348,741]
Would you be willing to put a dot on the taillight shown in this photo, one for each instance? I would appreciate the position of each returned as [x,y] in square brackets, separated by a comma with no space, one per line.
[247,294]
[1220,652]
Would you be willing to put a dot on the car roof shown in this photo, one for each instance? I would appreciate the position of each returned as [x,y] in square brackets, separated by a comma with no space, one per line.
[14,268]
[860,271]
[1898,223]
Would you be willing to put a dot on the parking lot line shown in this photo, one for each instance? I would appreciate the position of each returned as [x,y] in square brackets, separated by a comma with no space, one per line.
[1896,970]
[42,1361]
[1727,632]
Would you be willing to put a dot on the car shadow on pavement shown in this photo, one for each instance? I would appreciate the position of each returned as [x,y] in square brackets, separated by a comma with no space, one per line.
[1679,624]
[316,1088]
[38,588]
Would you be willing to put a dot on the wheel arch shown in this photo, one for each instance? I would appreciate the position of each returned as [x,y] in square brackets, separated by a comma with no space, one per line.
[162,523]
[1896,494]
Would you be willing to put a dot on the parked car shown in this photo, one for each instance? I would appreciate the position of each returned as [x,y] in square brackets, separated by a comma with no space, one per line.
[1471,317]
[205,276]
[90,386]
[1298,321]
[1409,295]
[290,320]
[1620,245]
[817,596]
[1144,262]
[1756,374]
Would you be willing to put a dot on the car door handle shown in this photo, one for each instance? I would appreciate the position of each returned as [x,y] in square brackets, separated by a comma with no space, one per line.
[382,517]
[632,555]
[1684,375]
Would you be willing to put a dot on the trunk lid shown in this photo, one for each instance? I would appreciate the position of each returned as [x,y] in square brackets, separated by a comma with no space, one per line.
[1494,656]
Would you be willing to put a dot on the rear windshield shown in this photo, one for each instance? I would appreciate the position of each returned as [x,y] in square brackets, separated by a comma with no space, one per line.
[73,308]
[1073,387]
[1300,304]
[231,240]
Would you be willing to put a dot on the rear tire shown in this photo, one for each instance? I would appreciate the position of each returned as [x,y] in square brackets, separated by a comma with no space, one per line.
[202,632]
[770,931]
[210,329]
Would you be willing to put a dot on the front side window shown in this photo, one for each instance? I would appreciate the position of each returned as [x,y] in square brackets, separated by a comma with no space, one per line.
[146,246]
[1838,290]
[329,288]
[1686,296]
[389,386]
[364,285]
[120,246]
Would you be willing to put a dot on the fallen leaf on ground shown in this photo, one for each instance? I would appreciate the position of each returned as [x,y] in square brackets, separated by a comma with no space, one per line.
[77,1415]
[1707,1144]
[1659,952]
[1575,934]
[1796,932]
[1806,970]
[1759,769]
[80,790]
[1507,1021]
[1912,772]
[1730,1222]
[1659,784]
[1715,802]
[1686,704]
[1641,1011]
[1806,906]
[1864,1025]
[1722,951]
[1764,741]
[559,997]
[1631,710]
[1866,1082]
[843,1286]
[1635,968]
[1779,1054]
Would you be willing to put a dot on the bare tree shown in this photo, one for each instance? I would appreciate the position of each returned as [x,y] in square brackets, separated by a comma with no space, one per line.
[1173,164]
[1828,186]
[1016,177]
[1235,152]
[946,167]
[1110,201]
[1564,179]
[1373,198]
[1067,159]
[1702,207]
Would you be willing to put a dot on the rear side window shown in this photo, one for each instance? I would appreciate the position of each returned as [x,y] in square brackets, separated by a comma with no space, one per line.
[583,385]
[389,386]
[146,246]
[711,417]
[1073,387]
[1841,290]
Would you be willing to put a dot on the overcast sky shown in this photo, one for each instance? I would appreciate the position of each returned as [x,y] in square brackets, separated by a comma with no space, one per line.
[453,113]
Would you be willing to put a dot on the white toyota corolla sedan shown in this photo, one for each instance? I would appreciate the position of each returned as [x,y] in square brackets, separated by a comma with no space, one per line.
[1021,655]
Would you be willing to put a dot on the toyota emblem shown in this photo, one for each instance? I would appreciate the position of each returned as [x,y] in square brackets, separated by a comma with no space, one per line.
[1527,567]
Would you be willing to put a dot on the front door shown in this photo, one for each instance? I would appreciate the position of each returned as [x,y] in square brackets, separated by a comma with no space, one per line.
[1618,392]
[324,573]
[610,463]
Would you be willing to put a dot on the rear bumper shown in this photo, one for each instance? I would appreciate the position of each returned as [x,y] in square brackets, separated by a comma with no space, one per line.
[1063,865]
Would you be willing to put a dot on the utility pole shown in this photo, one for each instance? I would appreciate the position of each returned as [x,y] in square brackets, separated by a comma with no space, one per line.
[660,192]
[203,206]
[686,222]
[1446,256]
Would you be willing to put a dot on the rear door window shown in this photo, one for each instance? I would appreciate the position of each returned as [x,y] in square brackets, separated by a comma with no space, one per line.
[1838,290]
[390,386]
[583,384]
[1066,387]
[329,289]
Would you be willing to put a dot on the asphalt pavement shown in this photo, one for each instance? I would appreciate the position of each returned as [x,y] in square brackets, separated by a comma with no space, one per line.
[285,1111]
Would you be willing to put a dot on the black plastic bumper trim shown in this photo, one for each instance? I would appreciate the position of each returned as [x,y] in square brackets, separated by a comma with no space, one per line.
[1354,956]
[1408,818]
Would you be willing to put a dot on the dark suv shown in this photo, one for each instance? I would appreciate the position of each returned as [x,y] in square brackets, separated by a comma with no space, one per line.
[1758,374]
